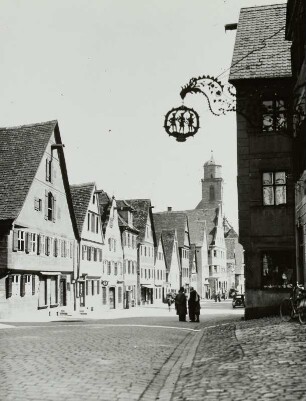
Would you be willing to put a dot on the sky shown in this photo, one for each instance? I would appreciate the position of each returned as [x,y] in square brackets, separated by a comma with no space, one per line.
[109,71]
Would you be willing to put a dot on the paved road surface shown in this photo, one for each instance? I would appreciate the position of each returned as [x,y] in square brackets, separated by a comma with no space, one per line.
[154,358]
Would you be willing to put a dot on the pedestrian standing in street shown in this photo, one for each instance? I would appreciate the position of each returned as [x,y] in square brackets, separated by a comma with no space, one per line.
[169,302]
[194,306]
[181,305]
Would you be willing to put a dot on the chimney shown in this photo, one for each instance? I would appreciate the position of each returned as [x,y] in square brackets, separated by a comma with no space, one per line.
[169,209]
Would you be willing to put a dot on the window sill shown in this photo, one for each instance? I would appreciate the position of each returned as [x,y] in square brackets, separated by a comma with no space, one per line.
[43,307]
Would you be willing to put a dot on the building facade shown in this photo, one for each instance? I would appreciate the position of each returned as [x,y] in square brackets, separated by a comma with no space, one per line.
[146,242]
[37,224]
[296,34]
[90,247]
[262,77]
[112,267]
[129,244]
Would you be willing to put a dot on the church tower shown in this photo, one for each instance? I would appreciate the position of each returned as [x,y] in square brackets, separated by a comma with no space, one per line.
[212,185]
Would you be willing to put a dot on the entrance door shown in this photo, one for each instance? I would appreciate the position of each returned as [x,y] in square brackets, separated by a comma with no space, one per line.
[82,293]
[112,304]
[63,292]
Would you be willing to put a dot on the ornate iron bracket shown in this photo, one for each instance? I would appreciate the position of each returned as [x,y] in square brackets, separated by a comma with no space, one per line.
[221,98]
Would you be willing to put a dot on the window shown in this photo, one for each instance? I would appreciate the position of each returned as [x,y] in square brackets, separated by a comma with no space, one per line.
[89,253]
[114,245]
[95,254]
[97,224]
[33,243]
[211,193]
[215,253]
[129,240]
[88,221]
[277,269]
[274,115]
[274,188]
[93,223]
[116,269]
[129,267]
[93,198]
[110,244]
[92,287]
[109,268]
[50,206]
[21,240]
[47,246]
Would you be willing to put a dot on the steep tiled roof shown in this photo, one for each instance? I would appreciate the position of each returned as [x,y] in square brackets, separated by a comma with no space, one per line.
[261,50]
[211,218]
[197,225]
[142,211]
[123,204]
[171,221]
[105,205]
[124,224]
[168,237]
[21,151]
[81,196]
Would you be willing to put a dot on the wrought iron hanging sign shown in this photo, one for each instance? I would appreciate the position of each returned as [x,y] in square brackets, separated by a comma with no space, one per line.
[183,122]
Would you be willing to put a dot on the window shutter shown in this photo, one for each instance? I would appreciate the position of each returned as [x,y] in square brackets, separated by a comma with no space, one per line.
[47,169]
[98,287]
[48,246]
[33,285]
[46,204]
[55,246]
[83,252]
[38,244]
[8,282]
[54,208]
[22,286]
[27,242]
[15,240]
[52,172]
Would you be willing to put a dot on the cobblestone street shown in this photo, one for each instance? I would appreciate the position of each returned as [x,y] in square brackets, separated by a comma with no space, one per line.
[154,358]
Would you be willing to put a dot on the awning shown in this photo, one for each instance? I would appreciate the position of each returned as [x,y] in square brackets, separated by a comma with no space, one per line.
[51,273]
[147,285]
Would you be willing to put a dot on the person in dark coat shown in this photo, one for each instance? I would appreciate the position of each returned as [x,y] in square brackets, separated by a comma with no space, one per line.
[194,305]
[181,305]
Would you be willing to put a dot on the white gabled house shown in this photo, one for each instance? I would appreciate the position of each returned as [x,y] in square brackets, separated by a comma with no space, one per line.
[89,258]
[112,267]
[37,224]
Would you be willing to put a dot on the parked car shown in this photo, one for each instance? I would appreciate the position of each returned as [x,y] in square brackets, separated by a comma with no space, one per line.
[238,300]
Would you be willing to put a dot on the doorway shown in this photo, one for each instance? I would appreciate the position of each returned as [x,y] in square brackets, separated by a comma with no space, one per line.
[112,302]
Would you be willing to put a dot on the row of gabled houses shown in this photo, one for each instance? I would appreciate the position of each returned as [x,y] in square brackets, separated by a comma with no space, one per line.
[74,249]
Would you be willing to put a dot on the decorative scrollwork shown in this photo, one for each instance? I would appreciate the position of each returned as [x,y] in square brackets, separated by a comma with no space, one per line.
[182,122]
[221,98]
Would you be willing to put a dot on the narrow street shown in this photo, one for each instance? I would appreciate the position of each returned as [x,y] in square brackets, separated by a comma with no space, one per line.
[154,357]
